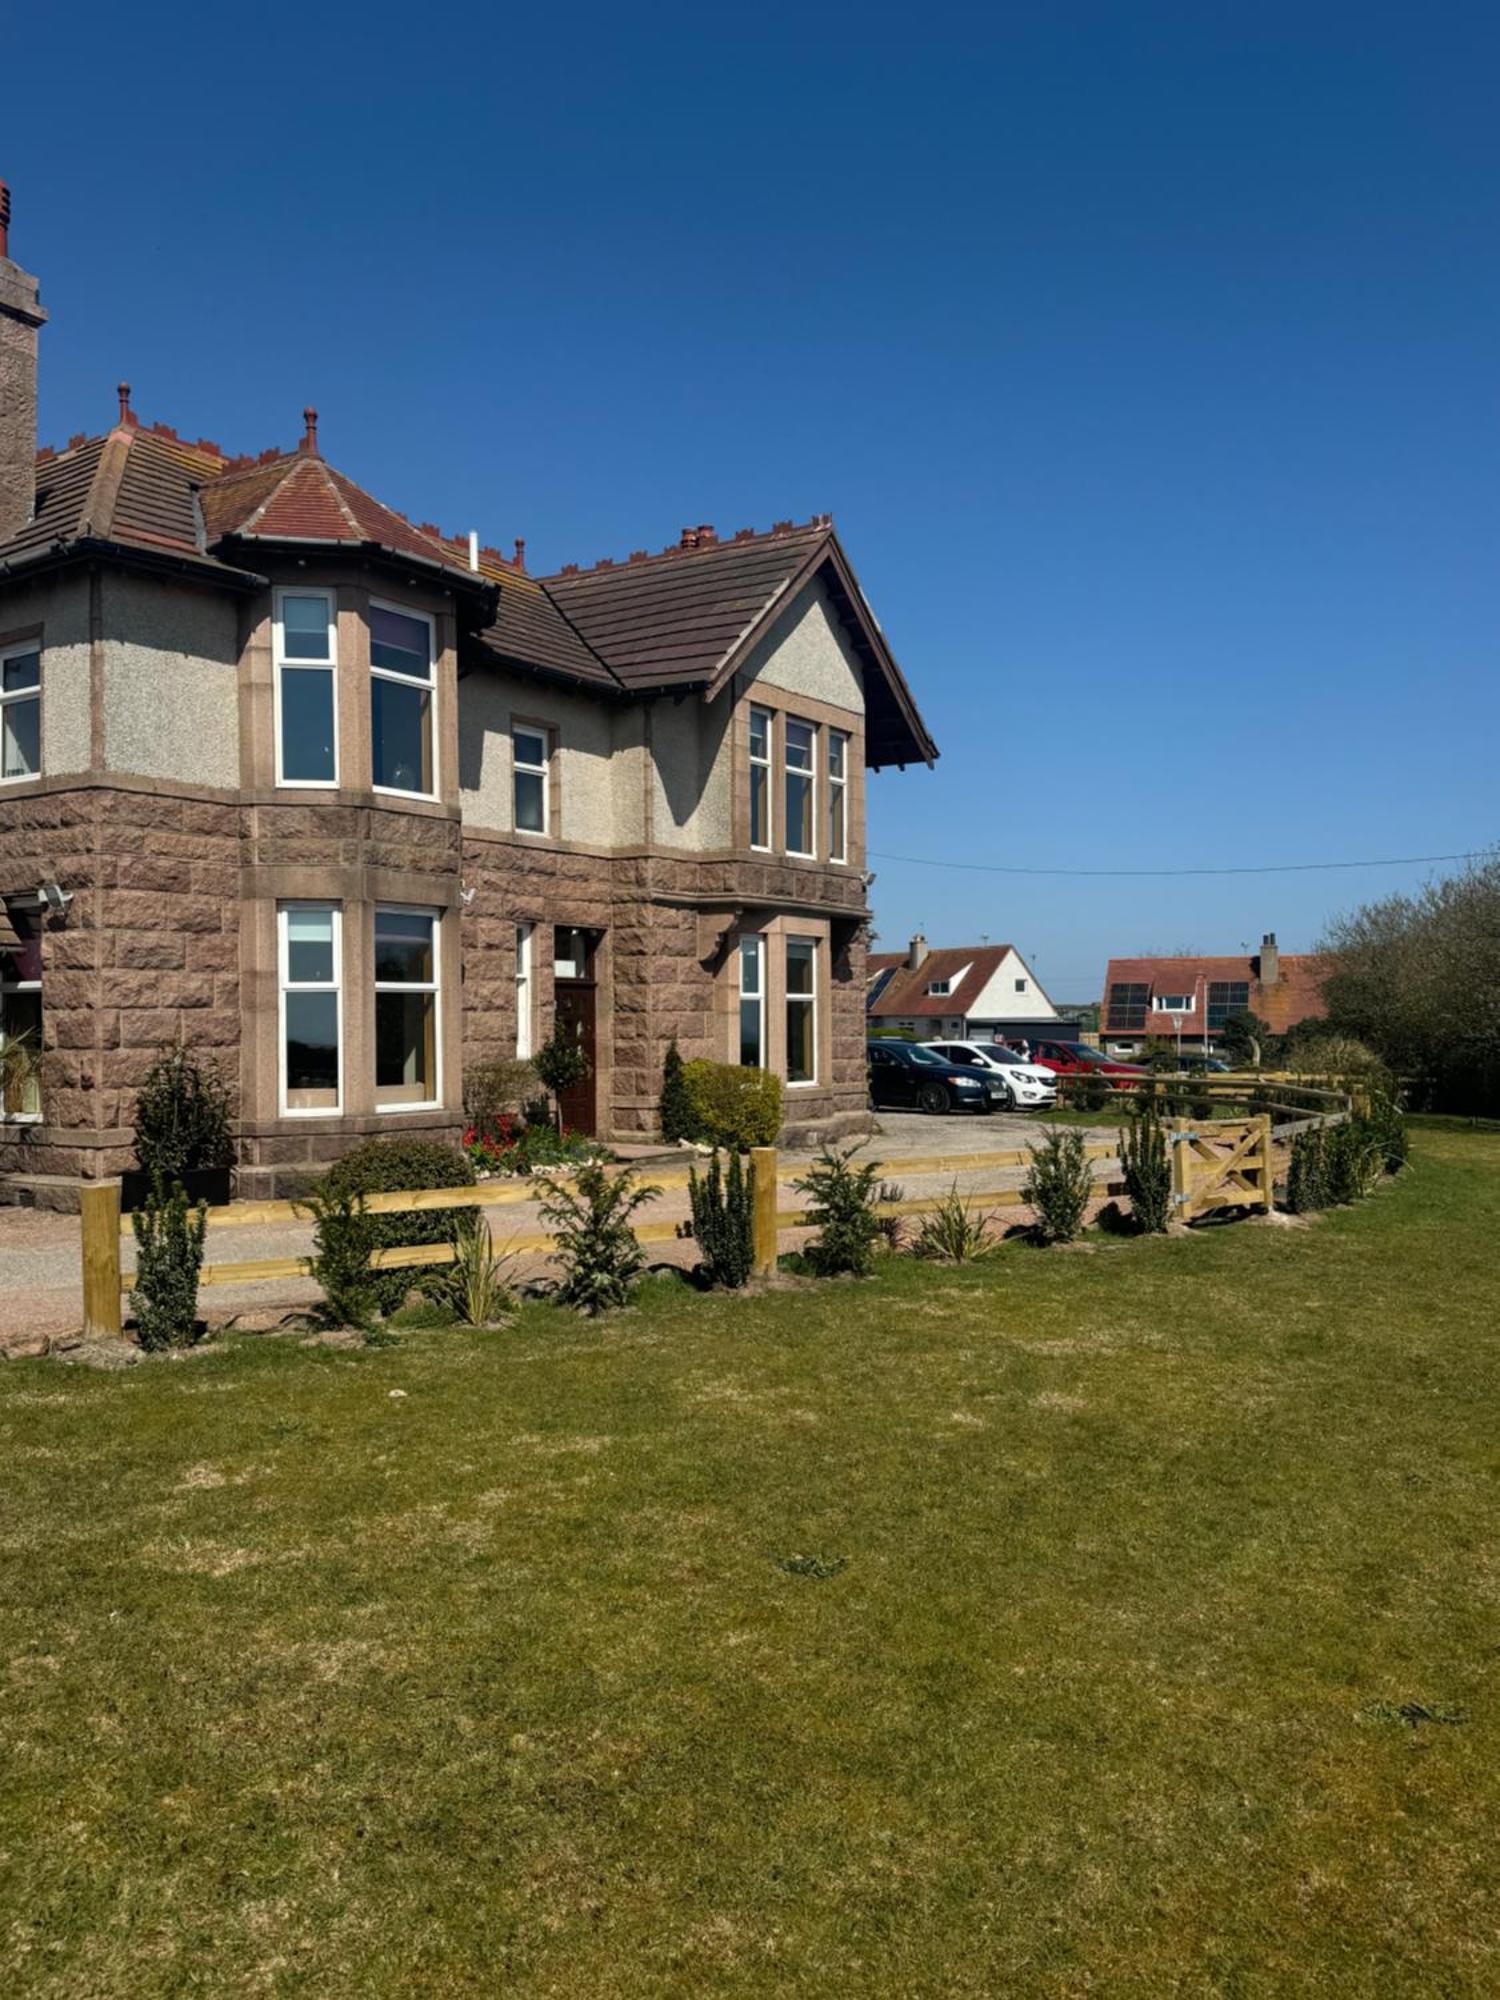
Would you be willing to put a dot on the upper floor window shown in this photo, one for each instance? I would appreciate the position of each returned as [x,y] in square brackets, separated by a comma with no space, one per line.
[1020,985]
[939,989]
[21,711]
[760,777]
[406,1008]
[531,760]
[401,701]
[305,648]
[1173,1003]
[838,795]
[801,783]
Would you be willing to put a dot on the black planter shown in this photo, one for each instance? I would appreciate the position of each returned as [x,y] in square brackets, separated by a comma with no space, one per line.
[209,1184]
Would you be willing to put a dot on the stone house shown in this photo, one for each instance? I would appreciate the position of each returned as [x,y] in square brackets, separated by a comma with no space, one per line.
[355,805]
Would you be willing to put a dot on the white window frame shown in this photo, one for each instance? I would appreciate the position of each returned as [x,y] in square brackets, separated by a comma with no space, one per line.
[767,766]
[279,662]
[1172,1003]
[23,650]
[543,771]
[410,681]
[809,1000]
[757,994]
[939,989]
[285,985]
[434,986]
[810,772]
[838,795]
[525,991]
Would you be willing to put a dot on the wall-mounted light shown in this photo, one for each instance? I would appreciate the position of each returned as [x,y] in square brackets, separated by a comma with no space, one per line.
[56,899]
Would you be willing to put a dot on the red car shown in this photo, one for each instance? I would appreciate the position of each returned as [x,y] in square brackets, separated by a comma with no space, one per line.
[1078,1059]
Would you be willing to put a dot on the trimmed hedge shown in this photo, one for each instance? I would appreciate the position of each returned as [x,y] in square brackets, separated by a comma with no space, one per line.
[731,1105]
[389,1166]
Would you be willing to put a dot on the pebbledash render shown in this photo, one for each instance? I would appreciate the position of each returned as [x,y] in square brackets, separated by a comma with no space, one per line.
[354,805]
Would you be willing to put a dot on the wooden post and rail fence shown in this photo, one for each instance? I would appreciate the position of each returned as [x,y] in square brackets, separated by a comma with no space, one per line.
[1215,1164]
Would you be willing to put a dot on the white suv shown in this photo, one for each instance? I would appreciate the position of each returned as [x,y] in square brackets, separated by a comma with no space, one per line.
[1030,1086]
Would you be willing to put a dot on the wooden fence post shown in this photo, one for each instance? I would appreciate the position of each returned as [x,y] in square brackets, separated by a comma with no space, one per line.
[1267,1164]
[1181,1168]
[99,1219]
[763,1233]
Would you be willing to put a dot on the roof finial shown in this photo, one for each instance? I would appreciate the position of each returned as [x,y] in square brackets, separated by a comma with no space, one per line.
[128,417]
[309,443]
[4,220]
[521,553]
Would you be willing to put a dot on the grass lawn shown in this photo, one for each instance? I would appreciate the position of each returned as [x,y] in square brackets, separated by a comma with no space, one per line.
[482,1665]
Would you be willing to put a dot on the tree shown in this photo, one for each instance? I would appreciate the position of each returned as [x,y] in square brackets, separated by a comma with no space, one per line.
[560,1063]
[1245,1039]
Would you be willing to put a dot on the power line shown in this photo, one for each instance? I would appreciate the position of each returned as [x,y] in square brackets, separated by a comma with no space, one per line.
[1273,868]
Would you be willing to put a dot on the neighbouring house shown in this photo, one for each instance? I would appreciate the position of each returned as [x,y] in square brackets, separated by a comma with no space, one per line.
[958,993]
[1160,999]
[354,804]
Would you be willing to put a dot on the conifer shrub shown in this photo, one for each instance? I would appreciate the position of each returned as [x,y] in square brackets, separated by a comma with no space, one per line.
[841,1207]
[599,1252]
[169,1236]
[1059,1184]
[183,1115]
[390,1166]
[1147,1168]
[675,1110]
[722,1220]
[732,1105]
[344,1236]
[1307,1173]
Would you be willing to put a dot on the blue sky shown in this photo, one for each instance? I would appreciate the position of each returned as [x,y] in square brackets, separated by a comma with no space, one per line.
[1145,355]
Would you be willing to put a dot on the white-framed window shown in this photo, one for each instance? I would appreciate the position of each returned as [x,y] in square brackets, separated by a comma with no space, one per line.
[760,778]
[838,795]
[403,698]
[801,787]
[21,1017]
[525,990]
[1173,1003]
[939,989]
[406,1009]
[1020,985]
[310,956]
[21,712]
[304,647]
[531,758]
[753,1002]
[801,1010]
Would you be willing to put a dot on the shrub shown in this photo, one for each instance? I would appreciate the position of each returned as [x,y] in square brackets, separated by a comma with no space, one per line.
[497,1089]
[1387,1128]
[597,1248]
[1307,1173]
[389,1166]
[344,1235]
[169,1255]
[1059,1184]
[841,1206]
[1148,1171]
[560,1063]
[676,1107]
[721,1205]
[512,1147]
[1088,1092]
[183,1115]
[956,1232]
[473,1286]
[731,1105]
[1352,1159]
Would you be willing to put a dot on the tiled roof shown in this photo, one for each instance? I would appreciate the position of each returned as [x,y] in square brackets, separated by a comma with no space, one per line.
[308,501]
[1296,995]
[529,630]
[905,996]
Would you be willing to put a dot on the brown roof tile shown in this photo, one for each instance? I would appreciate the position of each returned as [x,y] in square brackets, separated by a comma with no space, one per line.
[1296,996]
[906,996]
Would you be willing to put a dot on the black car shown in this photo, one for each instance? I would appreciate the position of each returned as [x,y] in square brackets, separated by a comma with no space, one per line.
[906,1078]
[1195,1062]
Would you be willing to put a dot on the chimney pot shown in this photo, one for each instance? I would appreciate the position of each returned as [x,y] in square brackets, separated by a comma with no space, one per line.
[127,417]
[521,553]
[916,952]
[310,432]
[1268,968]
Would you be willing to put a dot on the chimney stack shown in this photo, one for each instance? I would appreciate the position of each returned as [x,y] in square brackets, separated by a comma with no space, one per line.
[1269,968]
[916,951]
[20,317]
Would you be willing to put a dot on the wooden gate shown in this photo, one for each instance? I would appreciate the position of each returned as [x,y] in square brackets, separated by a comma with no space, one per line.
[1223,1163]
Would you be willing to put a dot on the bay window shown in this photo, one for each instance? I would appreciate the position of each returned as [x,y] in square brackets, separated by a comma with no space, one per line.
[406,1008]
[304,640]
[753,1002]
[801,781]
[308,953]
[801,1010]
[529,751]
[402,691]
[21,711]
[838,795]
[760,778]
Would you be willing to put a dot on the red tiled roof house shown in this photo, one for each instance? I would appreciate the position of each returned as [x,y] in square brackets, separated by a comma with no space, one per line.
[960,992]
[358,804]
[1160,999]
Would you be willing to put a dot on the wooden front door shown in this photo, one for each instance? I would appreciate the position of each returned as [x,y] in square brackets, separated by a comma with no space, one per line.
[577,1016]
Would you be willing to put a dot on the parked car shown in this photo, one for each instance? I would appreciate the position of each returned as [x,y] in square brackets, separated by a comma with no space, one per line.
[904,1077]
[1027,1085]
[1078,1059]
[1199,1064]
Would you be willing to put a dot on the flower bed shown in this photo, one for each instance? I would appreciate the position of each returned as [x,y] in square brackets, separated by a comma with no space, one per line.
[513,1146]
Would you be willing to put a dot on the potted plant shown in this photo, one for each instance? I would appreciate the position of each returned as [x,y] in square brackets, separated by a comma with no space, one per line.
[20,1076]
[183,1131]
